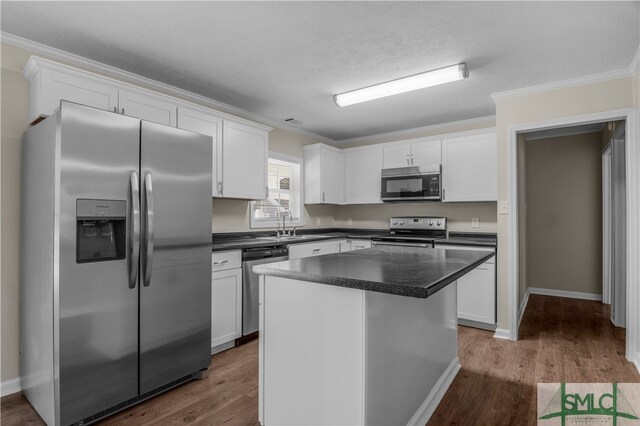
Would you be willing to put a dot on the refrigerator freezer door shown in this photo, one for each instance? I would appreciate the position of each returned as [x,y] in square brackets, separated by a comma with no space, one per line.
[97,330]
[175,258]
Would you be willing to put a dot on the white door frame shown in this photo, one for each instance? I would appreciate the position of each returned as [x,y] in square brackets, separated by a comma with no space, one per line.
[632,160]
[606,225]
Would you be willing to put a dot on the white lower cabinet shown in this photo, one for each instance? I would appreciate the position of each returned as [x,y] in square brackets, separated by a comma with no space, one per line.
[226,299]
[477,292]
[299,251]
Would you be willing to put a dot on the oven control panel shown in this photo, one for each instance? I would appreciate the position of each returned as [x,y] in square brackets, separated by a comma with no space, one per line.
[422,223]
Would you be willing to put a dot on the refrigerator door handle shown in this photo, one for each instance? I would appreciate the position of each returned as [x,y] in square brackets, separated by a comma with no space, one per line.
[135,229]
[148,264]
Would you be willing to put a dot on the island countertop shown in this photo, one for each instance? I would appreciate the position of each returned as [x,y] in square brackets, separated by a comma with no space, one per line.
[404,271]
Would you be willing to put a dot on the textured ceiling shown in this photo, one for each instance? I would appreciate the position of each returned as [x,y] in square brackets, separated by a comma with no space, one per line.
[287,59]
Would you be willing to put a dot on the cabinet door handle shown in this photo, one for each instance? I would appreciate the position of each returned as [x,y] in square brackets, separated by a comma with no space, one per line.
[220,262]
[316,250]
[266,192]
[219,187]
[442,194]
[412,159]
[407,159]
[122,111]
[322,195]
[359,246]
[115,109]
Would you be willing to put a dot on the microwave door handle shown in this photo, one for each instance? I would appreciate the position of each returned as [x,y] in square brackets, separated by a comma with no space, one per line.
[148,263]
[134,255]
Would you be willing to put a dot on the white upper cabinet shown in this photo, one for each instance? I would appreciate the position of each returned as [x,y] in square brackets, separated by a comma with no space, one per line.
[52,83]
[146,106]
[470,168]
[49,83]
[413,152]
[240,147]
[362,175]
[200,120]
[426,152]
[324,181]
[397,155]
[245,153]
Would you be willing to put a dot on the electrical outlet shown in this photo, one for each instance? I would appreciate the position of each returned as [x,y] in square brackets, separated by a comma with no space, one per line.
[317,221]
[475,222]
[350,221]
[503,207]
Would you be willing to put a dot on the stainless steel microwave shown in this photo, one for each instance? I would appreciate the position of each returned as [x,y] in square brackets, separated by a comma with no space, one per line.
[412,183]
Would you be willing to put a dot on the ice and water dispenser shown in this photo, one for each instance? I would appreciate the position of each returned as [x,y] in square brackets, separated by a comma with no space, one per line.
[101,230]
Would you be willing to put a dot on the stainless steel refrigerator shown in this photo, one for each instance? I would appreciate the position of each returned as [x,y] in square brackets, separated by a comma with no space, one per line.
[115,262]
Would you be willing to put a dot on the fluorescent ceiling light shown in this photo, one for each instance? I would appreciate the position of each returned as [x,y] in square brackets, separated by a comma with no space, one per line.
[401,85]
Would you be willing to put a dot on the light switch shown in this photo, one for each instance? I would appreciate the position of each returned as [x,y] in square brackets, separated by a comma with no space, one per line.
[475,222]
[503,207]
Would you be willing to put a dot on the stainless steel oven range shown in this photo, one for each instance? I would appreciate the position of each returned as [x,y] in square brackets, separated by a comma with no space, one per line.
[414,231]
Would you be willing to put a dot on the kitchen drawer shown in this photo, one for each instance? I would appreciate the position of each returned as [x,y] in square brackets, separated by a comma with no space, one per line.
[223,260]
[455,247]
[298,251]
[360,244]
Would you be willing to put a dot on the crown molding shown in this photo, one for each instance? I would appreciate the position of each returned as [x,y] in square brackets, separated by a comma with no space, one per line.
[147,83]
[563,84]
[402,133]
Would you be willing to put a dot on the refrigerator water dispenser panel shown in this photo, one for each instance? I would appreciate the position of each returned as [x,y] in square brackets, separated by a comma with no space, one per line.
[101,230]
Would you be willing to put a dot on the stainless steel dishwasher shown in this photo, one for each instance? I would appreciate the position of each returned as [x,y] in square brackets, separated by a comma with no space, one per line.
[250,258]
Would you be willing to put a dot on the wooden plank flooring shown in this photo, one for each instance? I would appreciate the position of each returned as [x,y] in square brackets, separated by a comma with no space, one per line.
[560,340]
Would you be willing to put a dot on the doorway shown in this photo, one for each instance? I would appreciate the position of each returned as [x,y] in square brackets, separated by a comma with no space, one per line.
[560,206]
[571,205]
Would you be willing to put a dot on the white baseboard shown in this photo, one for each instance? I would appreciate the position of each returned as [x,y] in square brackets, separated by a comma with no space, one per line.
[523,306]
[502,333]
[424,413]
[10,386]
[563,293]
[223,347]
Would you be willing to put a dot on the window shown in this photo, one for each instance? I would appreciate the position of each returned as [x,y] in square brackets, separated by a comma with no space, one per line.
[285,194]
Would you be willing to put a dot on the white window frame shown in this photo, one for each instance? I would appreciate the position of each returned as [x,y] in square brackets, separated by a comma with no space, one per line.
[297,186]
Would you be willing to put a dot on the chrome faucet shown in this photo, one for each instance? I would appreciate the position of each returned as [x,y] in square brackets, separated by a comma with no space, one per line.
[284,216]
[284,226]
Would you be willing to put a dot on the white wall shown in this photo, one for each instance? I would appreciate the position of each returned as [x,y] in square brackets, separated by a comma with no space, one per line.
[564,213]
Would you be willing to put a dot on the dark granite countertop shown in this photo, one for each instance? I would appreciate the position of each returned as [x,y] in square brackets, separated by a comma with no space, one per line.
[478,239]
[404,271]
[242,240]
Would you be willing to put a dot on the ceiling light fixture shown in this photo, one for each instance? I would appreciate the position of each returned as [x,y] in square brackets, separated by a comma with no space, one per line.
[401,85]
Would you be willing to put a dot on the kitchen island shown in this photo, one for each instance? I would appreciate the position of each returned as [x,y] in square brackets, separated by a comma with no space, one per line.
[363,337]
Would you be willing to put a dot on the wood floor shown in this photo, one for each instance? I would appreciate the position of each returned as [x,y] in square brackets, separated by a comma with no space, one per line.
[560,340]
